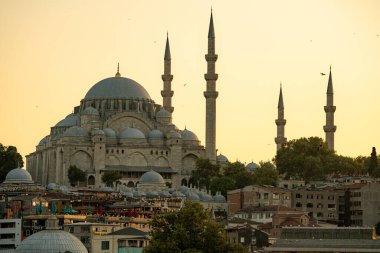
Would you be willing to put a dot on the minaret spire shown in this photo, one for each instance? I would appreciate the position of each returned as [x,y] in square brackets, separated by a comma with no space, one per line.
[330,128]
[117,73]
[167,77]
[211,94]
[280,140]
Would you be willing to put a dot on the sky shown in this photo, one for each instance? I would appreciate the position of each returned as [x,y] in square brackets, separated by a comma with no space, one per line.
[53,52]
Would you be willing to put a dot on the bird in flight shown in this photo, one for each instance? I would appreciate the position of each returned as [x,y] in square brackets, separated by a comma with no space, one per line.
[323,74]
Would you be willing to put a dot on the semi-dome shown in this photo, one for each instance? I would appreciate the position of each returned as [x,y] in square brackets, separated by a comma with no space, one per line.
[51,240]
[188,135]
[70,120]
[132,133]
[163,114]
[18,176]
[90,111]
[173,135]
[110,133]
[155,134]
[117,87]
[76,131]
[42,141]
[151,177]
[97,132]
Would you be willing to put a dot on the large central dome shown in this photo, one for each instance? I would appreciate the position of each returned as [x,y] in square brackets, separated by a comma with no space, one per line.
[117,87]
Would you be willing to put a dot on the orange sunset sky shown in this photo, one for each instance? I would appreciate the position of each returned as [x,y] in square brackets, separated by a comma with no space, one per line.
[52,52]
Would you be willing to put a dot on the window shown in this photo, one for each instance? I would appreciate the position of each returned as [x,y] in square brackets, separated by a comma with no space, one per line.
[298,196]
[105,245]
[85,239]
[298,204]
[309,205]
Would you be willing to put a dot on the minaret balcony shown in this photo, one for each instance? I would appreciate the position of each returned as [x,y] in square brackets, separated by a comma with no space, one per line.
[210,94]
[280,122]
[329,129]
[280,140]
[330,108]
[211,57]
[167,93]
[167,78]
[211,77]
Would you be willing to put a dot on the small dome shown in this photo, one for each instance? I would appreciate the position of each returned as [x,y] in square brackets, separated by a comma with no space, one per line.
[151,177]
[163,114]
[49,241]
[193,196]
[110,133]
[222,158]
[18,176]
[42,141]
[117,87]
[155,134]
[97,132]
[106,189]
[52,186]
[219,198]
[173,135]
[70,120]
[132,133]
[188,135]
[90,111]
[76,131]
[252,166]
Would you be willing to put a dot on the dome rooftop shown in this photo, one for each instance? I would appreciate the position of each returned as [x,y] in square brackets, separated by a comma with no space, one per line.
[252,166]
[110,133]
[188,135]
[76,131]
[132,133]
[51,240]
[70,120]
[42,141]
[117,87]
[18,176]
[151,177]
[155,134]
[163,114]
[222,158]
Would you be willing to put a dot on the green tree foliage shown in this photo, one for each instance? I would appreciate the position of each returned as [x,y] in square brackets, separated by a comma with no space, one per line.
[204,172]
[265,174]
[222,184]
[373,166]
[9,159]
[110,177]
[190,230]
[239,174]
[76,175]
[310,159]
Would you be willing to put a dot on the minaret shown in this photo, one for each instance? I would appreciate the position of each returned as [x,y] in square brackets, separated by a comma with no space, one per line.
[329,128]
[280,122]
[167,77]
[211,94]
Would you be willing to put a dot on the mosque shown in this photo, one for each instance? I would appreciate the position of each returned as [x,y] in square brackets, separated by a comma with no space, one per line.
[118,127]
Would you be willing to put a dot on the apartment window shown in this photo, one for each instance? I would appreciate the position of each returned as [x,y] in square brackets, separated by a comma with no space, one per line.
[85,239]
[309,205]
[265,195]
[298,196]
[298,204]
[105,245]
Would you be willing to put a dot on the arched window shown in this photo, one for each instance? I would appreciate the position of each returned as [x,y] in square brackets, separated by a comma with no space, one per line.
[91,180]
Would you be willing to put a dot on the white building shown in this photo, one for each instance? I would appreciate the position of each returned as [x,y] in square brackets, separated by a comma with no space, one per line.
[10,234]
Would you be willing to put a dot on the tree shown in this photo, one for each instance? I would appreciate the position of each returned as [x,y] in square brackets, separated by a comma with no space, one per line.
[9,159]
[306,158]
[222,184]
[76,175]
[266,174]
[190,230]
[204,172]
[109,177]
[373,163]
[239,174]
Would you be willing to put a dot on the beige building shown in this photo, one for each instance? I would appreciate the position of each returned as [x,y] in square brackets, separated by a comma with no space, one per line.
[118,127]
[255,195]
